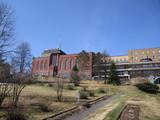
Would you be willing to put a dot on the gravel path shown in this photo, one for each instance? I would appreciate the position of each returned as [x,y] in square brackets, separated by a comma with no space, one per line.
[82,114]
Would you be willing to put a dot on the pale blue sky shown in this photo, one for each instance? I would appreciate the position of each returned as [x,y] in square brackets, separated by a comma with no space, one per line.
[93,25]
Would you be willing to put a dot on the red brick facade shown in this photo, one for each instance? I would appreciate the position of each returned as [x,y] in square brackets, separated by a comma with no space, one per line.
[40,66]
[58,64]
[67,62]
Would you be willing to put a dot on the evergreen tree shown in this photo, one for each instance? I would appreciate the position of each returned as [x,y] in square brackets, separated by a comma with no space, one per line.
[74,76]
[75,69]
[113,76]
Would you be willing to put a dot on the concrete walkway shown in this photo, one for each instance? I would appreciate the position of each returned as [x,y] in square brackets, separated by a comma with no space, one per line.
[84,113]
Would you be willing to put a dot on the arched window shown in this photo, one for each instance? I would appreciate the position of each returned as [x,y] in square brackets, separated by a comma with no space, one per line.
[45,65]
[77,62]
[37,65]
[61,65]
[71,63]
[33,65]
[66,64]
[41,65]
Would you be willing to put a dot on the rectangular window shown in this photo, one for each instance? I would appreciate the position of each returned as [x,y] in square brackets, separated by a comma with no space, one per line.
[153,52]
[132,58]
[136,58]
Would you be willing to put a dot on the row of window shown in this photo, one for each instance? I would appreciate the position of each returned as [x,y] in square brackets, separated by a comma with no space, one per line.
[143,57]
[143,52]
[120,60]
[40,65]
[65,64]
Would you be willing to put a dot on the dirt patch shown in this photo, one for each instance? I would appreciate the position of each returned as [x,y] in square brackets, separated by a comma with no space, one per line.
[130,112]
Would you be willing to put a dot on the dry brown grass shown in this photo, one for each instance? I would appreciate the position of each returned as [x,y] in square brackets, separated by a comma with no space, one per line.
[138,80]
[33,95]
[149,103]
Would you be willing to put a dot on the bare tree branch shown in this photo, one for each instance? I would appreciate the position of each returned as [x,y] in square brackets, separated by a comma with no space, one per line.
[6,28]
[21,60]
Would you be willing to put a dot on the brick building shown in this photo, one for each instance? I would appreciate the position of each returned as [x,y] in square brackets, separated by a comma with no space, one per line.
[55,62]
[67,62]
[47,64]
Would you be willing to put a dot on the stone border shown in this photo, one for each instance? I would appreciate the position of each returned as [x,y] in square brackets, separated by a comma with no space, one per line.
[62,114]
[129,112]
[68,112]
[91,102]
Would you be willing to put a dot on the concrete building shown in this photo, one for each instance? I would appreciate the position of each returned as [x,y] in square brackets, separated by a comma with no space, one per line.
[140,54]
[119,59]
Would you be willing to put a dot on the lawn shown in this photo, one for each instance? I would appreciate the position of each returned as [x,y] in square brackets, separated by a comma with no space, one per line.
[149,103]
[33,96]
[36,95]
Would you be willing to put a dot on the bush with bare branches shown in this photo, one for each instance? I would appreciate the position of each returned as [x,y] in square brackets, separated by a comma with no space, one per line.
[5,87]
[59,86]
[18,86]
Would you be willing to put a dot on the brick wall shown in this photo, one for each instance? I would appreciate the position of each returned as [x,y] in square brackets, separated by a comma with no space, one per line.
[67,62]
[40,66]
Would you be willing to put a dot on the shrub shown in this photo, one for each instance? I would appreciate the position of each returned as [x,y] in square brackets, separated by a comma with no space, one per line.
[102,90]
[85,88]
[50,85]
[91,93]
[71,87]
[41,84]
[68,99]
[45,107]
[16,114]
[148,87]
[138,80]
[84,94]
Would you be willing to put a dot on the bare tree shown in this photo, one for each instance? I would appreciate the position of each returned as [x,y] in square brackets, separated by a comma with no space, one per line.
[97,60]
[6,40]
[6,28]
[59,86]
[21,60]
[21,64]
[83,59]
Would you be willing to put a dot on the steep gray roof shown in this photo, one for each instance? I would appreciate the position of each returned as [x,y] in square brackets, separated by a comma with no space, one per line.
[50,51]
